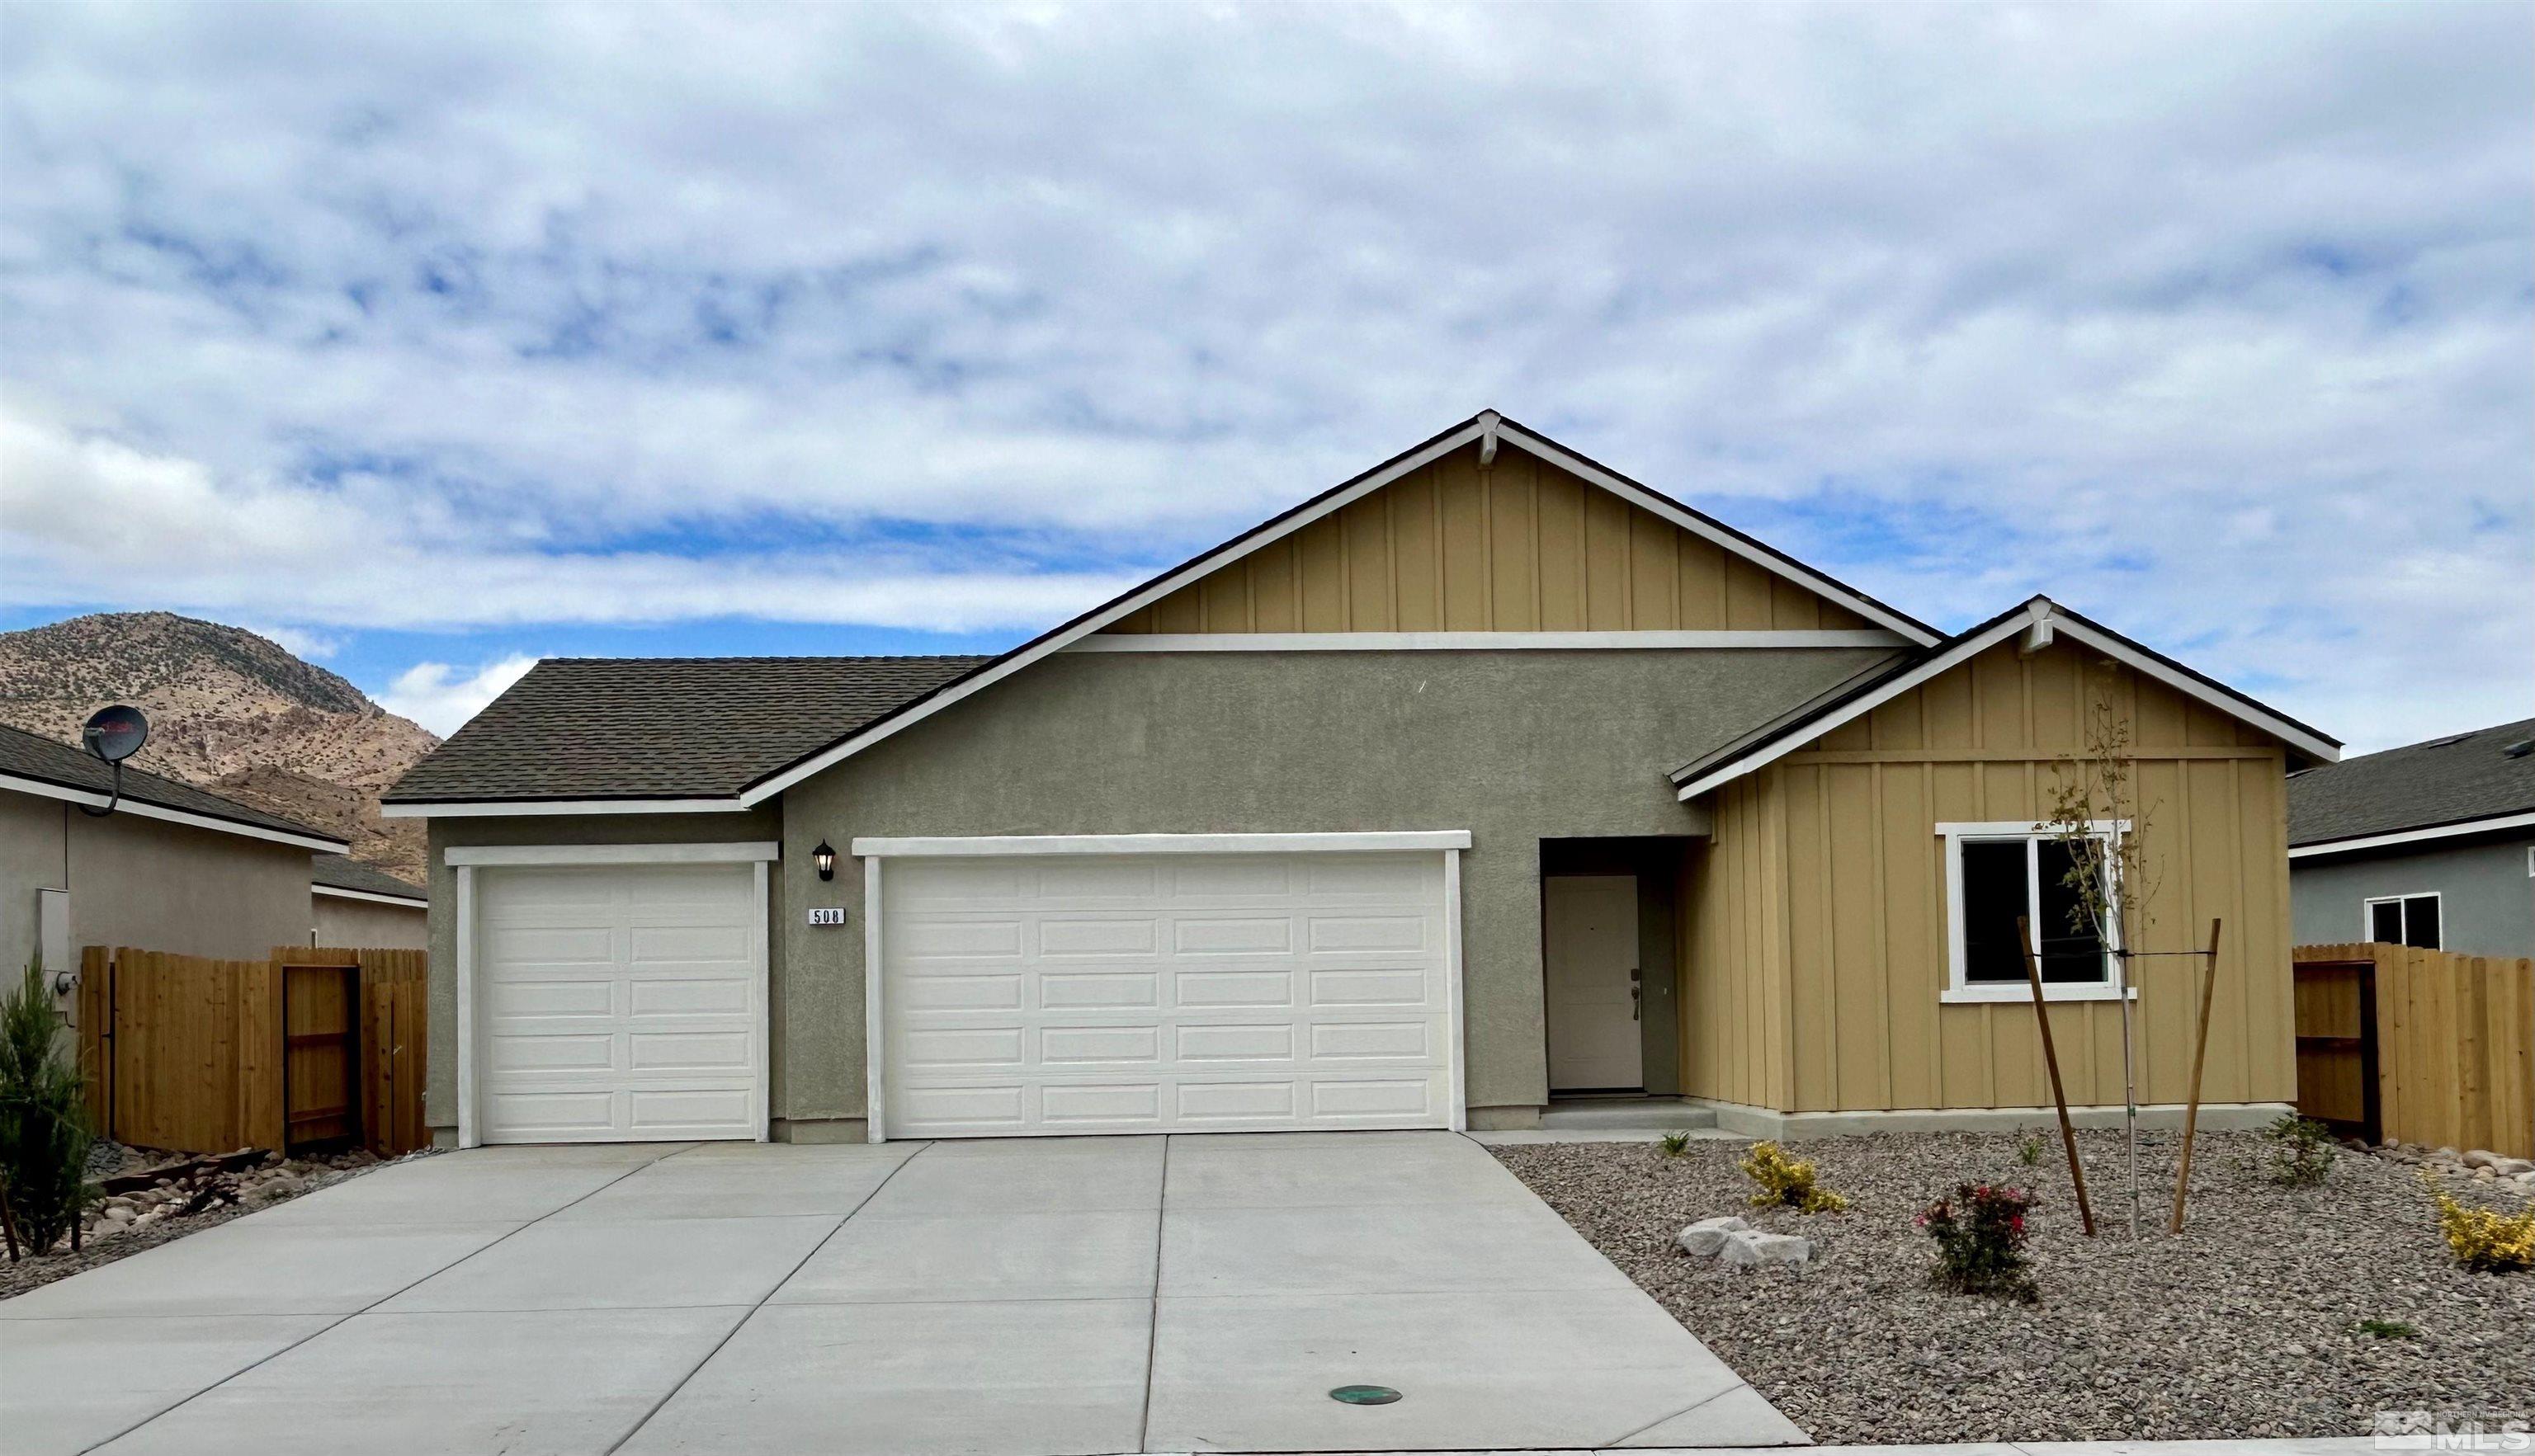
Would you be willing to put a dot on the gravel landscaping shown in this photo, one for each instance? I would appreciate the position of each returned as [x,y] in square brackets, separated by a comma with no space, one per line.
[2240,1327]
[126,1224]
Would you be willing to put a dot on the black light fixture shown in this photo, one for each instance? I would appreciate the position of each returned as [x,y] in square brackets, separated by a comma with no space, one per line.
[824,857]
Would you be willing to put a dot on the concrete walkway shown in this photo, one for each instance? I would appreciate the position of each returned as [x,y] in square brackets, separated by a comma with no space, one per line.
[1037,1298]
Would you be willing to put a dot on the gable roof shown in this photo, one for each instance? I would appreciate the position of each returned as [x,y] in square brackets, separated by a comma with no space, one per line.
[670,732]
[2039,619]
[31,763]
[523,774]
[1488,430]
[2459,784]
[342,875]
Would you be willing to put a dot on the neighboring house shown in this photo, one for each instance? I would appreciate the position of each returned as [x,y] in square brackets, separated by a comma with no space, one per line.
[2431,845]
[1487,776]
[361,905]
[173,868]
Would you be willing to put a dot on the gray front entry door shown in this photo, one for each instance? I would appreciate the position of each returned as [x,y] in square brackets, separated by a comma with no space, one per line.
[1590,955]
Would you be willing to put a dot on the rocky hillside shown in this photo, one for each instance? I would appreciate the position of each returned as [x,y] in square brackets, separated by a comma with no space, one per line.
[229,711]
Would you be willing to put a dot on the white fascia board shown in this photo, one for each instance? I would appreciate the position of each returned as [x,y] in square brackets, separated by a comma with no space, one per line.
[1480,641]
[338,892]
[1639,496]
[511,808]
[2415,836]
[612,854]
[1035,844]
[1059,641]
[2245,710]
[1761,758]
[141,808]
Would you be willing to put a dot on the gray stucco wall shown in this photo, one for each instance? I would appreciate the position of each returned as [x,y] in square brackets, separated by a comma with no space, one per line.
[2485,904]
[147,882]
[1515,746]
[369,925]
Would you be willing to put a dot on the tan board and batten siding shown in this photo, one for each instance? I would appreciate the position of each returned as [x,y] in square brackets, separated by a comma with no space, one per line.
[1516,546]
[1814,935]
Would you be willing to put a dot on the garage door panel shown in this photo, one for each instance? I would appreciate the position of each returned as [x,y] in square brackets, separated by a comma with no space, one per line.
[1143,993]
[618,1002]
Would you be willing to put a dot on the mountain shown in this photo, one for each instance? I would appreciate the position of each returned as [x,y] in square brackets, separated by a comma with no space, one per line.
[230,711]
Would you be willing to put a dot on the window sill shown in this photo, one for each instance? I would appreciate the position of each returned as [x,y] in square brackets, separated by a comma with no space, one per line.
[2009,995]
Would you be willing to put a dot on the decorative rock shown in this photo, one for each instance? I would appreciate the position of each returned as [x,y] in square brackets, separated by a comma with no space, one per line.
[1708,1235]
[1750,1248]
[118,1214]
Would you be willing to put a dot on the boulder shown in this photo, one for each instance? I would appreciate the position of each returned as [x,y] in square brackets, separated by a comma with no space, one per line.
[1750,1248]
[1708,1235]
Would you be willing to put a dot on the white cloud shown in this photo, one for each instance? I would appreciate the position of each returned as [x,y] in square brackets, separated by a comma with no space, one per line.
[2213,322]
[442,698]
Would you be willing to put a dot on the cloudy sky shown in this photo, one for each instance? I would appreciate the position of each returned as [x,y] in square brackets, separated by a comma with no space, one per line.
[434,338]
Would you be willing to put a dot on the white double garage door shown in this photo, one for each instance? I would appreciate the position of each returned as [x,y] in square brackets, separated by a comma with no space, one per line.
[1024,987]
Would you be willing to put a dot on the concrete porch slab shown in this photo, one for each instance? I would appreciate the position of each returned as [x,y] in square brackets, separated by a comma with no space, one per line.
[955,1257]
[72,1383]
[253,1267]
[1030,1378]
[1563,1369]
[646,1263]
[556,1381]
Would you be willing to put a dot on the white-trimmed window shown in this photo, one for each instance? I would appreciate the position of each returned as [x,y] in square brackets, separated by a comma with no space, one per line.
[1998,872]
[2404,920]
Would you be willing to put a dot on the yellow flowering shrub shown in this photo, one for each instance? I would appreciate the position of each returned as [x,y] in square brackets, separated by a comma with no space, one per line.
[2484,1240]
[1782,1181]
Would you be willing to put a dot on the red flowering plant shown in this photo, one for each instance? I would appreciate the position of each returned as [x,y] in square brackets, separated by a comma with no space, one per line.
[1980,1241]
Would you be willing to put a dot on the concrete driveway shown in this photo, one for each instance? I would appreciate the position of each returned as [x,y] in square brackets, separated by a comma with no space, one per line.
[1025,1297]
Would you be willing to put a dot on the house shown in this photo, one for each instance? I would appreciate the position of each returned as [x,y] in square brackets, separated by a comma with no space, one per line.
[1485,777]
[173,868]
[2431,844]
[357,904]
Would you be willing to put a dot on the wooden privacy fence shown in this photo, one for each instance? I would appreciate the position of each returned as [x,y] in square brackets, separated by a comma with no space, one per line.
[2394,1041]
[310,1047]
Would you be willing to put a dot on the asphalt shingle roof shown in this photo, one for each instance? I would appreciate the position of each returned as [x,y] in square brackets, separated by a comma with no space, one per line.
[342,872]
[2443,781]
[664,727]
[33,755]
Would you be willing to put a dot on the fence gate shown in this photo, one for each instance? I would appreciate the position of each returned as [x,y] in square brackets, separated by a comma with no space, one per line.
[2336,1047]
[320,1061]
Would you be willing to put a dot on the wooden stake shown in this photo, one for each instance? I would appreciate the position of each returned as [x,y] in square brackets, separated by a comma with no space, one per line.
[2199,1054]
[2051,1059]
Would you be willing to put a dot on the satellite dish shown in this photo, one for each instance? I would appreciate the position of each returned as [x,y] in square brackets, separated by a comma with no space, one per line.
[114,734]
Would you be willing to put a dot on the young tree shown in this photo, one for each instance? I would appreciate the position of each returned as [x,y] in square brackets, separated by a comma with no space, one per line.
[45,1134]
[2097,819]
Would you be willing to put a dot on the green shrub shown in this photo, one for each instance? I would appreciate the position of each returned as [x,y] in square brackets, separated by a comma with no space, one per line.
[2383,1329]
[1980,1241]
[44,1135]
[2029,1151]
[1675,1144]
[2302,1150]
[1782,1181]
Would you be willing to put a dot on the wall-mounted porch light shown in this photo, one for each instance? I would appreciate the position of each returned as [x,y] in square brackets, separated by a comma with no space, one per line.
[824,857]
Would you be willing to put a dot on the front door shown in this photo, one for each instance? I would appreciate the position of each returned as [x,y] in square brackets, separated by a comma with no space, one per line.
[1590,955]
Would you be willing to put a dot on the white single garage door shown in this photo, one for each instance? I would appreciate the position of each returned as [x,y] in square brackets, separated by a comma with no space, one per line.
[618,1003]
[1157,993]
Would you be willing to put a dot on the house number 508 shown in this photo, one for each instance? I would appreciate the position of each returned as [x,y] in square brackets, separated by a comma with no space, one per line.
[831,915]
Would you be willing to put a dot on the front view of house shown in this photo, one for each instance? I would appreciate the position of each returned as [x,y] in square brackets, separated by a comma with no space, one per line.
[1483,778]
